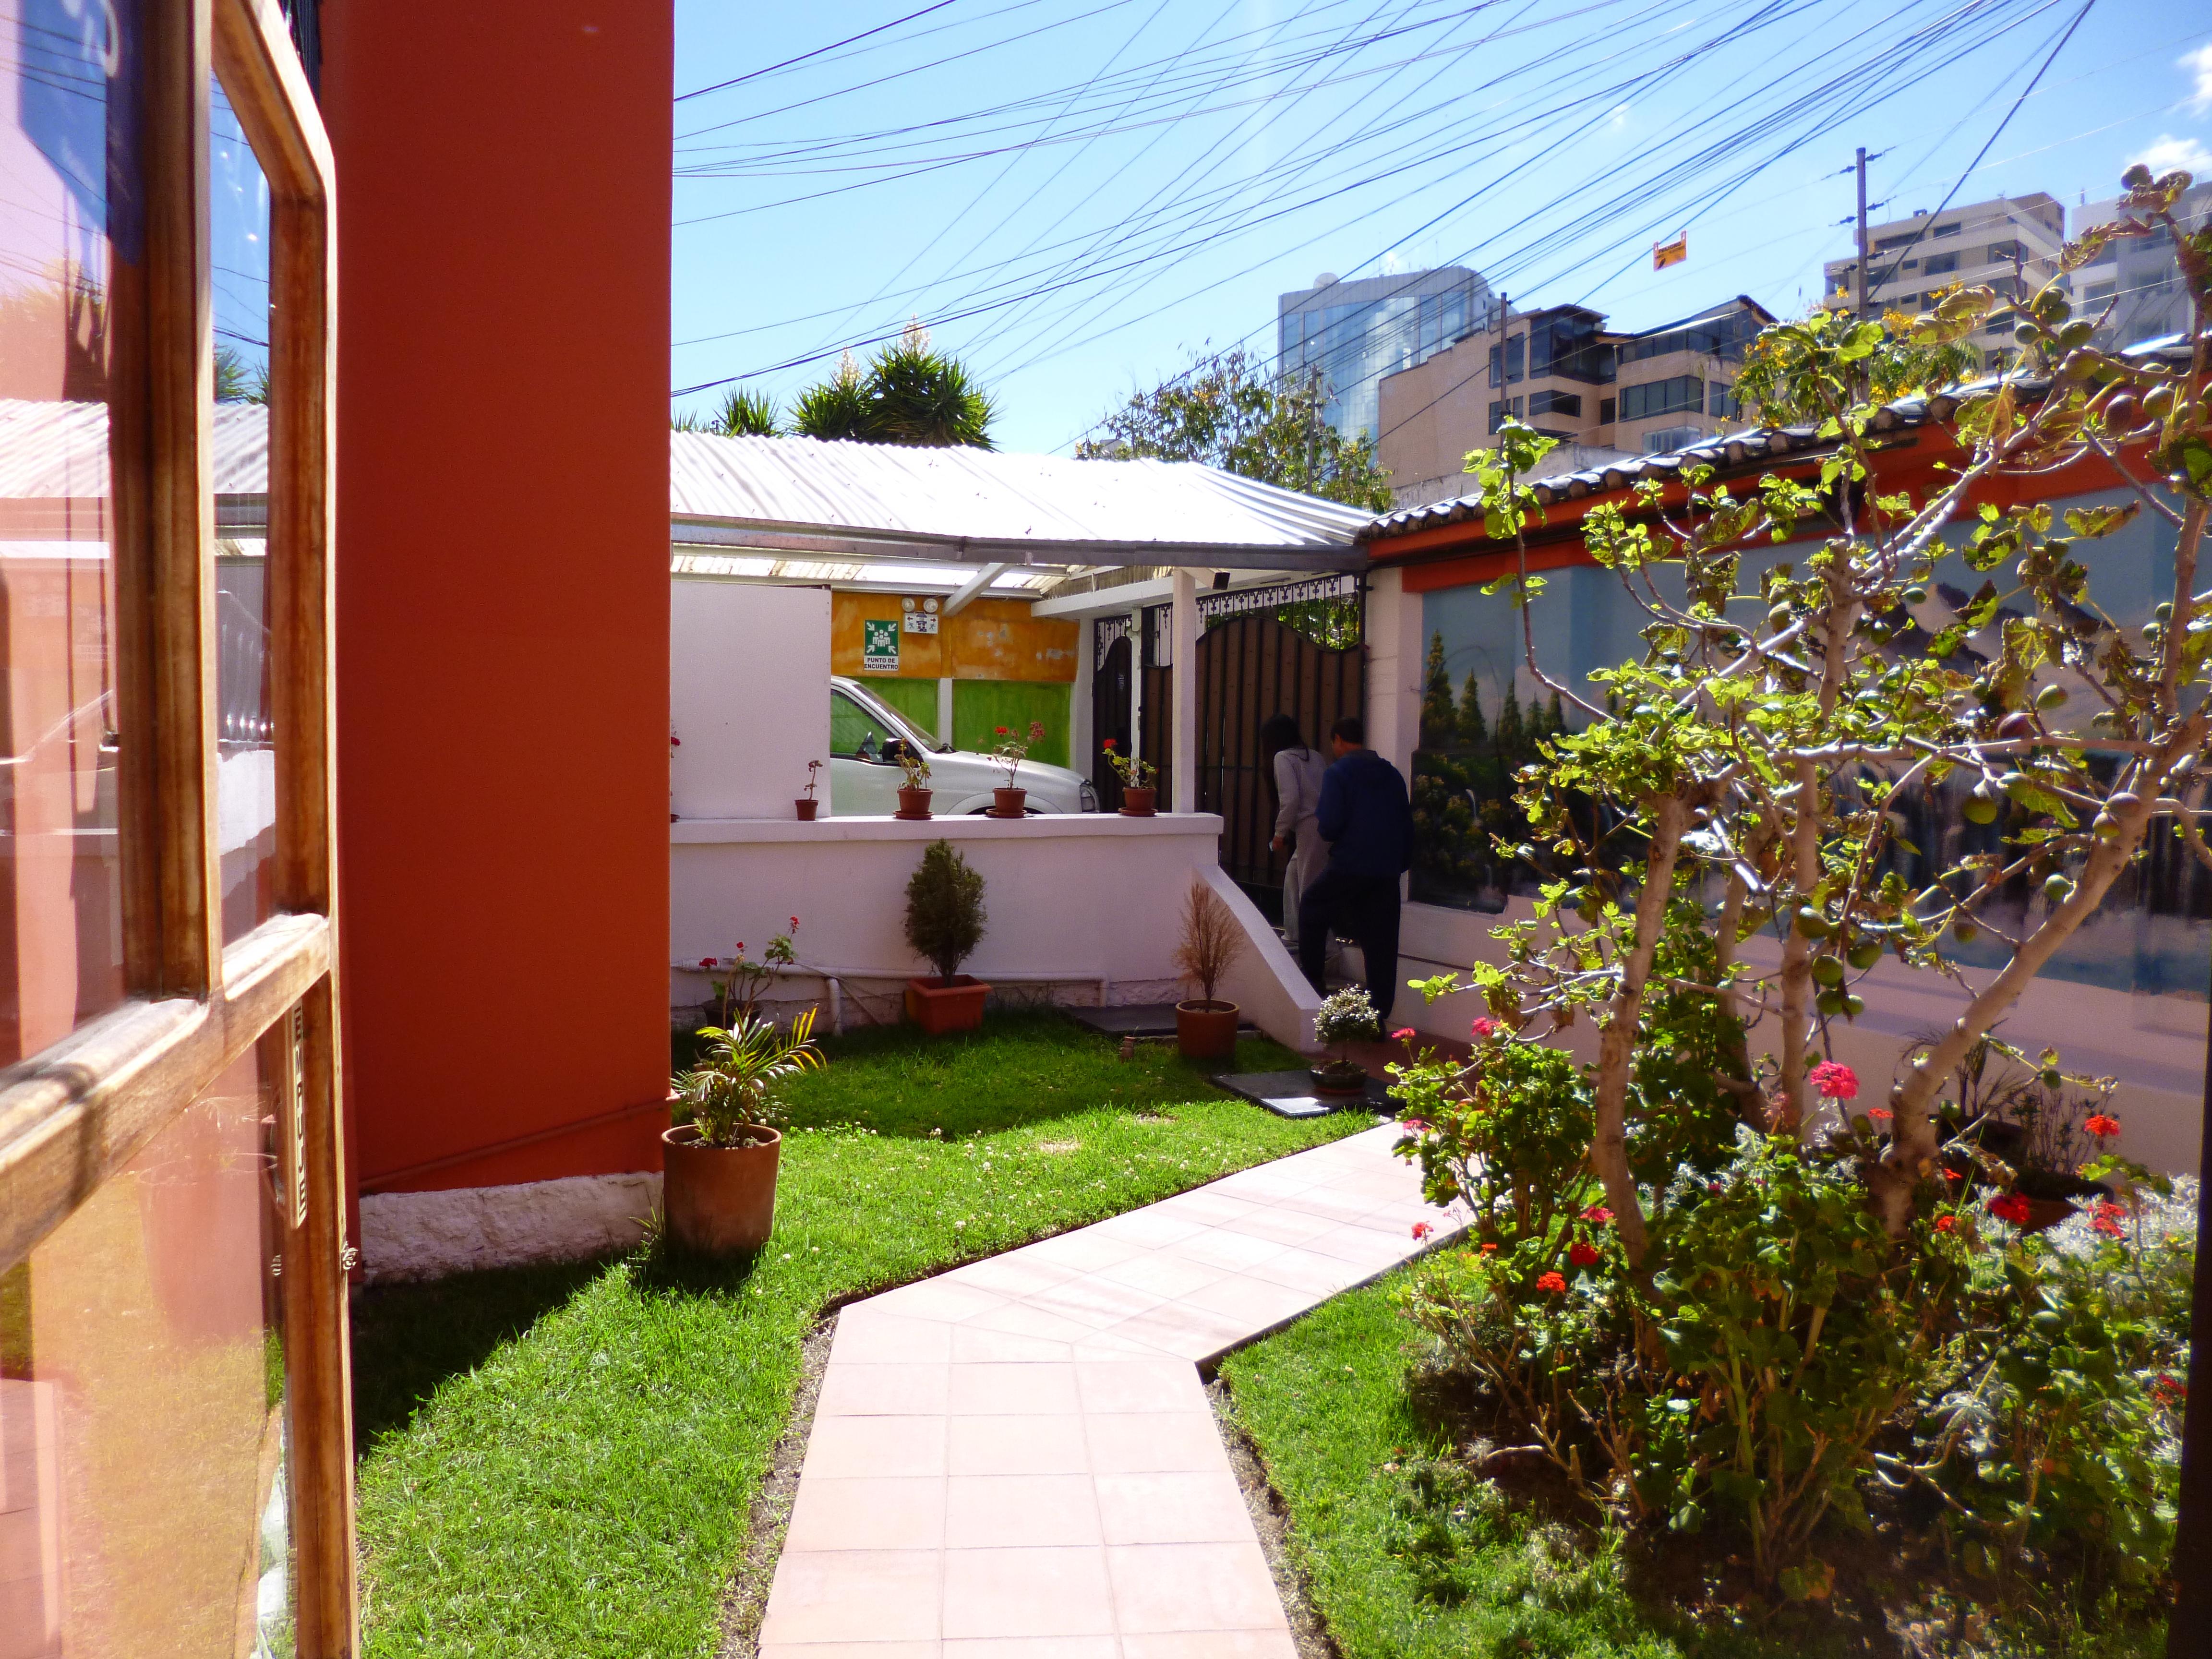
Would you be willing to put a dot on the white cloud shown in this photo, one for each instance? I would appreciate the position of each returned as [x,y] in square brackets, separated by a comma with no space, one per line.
[2169,155]
[2199,64]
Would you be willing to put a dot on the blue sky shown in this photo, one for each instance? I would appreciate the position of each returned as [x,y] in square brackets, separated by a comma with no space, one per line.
[1075,195]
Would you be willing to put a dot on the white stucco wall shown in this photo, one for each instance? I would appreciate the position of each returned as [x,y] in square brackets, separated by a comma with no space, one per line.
[748,696]
[1082,902]
[2156,1046]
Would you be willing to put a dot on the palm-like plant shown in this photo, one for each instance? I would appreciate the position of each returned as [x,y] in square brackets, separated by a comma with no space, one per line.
[911,394]
[925,398]
[734,1089]
[744,413]
[840,407]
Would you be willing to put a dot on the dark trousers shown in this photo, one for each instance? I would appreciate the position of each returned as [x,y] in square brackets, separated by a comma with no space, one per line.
[1365,908]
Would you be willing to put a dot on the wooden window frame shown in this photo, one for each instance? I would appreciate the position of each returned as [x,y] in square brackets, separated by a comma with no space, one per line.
[75,1115]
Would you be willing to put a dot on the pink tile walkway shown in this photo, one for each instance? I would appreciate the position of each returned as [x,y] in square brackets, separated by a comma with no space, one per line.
[1016,1460]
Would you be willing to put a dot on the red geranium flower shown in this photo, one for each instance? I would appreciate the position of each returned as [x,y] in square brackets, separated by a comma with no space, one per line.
[1001,730]
[794,924]
[1490,1249]
[2102,1125]
[1598,1213]
[1946,1224]
[1485,1026]
[2011,1207]
[1836,1080]
[1583,1255]
[1880,1114]
[1422,1230]
[1402,1034]
[1553,1282]
[709,962]
[2169,1389]
[1109,744]
[2106,1226]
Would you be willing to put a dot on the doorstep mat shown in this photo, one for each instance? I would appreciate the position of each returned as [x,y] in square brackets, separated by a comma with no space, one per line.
[1290,1094]
[1155,1019]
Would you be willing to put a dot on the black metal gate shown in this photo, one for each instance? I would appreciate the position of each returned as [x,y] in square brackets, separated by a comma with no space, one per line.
[1109,704]
[1298,648]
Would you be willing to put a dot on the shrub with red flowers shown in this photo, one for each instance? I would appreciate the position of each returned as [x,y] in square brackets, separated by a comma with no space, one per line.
[1013,748]
[2052,1431]
[1134,773]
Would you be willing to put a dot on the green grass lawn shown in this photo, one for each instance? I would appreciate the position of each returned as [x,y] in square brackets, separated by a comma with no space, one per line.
[561,1461]
[1404,1565]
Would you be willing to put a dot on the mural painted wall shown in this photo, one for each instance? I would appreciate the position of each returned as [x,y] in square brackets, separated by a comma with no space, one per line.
[1007,667]
[1482,715]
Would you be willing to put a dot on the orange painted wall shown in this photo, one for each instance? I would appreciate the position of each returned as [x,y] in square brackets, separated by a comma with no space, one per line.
[990,640]
[502,634]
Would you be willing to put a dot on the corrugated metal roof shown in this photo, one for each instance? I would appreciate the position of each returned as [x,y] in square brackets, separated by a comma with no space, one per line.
[49,450]
[801,493]
[1766,443]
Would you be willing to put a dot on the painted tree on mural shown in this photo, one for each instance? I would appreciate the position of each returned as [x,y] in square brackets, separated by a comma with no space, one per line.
[1227,411]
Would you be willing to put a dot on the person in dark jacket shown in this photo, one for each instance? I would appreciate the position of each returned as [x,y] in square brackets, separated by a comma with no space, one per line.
[1367,819]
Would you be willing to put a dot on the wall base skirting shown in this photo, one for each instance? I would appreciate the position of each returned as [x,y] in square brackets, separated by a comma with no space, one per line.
[423,1236]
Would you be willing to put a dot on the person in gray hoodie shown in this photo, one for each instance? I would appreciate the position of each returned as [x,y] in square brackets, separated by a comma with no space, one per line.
[1297,773]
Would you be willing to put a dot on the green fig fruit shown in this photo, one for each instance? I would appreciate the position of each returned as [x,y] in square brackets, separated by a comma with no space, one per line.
[1812,924]
[2051,696]
[1830,1003]
[1865,954]
[1981,806]
[2058,890]
[1827,971]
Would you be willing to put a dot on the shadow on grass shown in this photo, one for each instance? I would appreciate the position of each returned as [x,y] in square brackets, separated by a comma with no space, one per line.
[409,1339]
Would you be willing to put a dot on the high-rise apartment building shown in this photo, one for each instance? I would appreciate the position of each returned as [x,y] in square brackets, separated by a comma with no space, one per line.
[2010,245]
[2133,284]
[1355,333]
[1603,393]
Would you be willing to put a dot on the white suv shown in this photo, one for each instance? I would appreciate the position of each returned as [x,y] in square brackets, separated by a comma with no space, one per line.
[864,774]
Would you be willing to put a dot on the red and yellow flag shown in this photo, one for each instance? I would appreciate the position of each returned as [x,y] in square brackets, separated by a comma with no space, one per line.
[1670,253]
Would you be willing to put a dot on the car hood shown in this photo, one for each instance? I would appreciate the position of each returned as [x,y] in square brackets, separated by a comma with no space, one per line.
[1065,777]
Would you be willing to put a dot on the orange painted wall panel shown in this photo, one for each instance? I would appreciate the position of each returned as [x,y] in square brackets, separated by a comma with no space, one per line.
[502,634]
[990,640]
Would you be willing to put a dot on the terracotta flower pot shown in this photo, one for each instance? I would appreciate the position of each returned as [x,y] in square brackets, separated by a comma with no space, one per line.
[1339,1077]
[1138,803]
[1207,1031]
[939,1008]
[1009,803]
[912,804]
[806,809]
[718,1200]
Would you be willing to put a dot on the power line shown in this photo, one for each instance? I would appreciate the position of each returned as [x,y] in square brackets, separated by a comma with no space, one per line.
[755,75]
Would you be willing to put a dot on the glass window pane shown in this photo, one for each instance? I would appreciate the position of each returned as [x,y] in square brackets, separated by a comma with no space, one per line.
[142,1422]
[246,777]
[70,206]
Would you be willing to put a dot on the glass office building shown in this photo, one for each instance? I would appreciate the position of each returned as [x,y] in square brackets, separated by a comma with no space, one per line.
[1355,333]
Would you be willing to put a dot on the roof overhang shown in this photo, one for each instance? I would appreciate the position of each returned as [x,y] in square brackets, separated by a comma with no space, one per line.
[726,535]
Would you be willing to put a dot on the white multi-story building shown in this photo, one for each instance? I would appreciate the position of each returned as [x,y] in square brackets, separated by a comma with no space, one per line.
[2011,245]
[2134,286]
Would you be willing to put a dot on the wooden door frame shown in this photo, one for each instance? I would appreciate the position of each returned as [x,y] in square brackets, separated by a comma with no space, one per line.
[75,1114]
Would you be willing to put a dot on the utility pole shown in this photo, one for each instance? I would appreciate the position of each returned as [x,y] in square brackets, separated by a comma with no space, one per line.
[1865,299]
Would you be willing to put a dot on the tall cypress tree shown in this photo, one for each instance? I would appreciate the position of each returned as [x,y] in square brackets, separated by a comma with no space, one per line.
[1474,730]
[1437,716]
[1512,735]
[1557,720]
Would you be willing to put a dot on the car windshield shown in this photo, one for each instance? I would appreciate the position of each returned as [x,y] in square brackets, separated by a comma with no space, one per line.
[894,724]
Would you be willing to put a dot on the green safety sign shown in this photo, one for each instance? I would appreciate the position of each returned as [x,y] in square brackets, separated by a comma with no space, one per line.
[879,645]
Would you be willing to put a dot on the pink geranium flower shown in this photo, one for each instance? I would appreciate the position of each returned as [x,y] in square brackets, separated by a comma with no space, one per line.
[1835,1080]
[1484,1027]
[1597,1214]
[1402,1034]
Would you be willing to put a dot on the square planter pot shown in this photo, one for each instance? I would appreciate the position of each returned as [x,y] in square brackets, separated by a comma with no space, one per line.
[941,1008]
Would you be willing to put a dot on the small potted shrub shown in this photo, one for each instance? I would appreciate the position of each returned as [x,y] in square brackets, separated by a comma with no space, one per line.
[1344,1018]
[945,923]
[719,1191]
[1205,1029]
[1011,802]
[913,794]
[806,804]
[1138,791]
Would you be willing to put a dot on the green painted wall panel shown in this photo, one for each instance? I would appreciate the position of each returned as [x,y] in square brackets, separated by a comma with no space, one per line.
[980,705]
[915,699]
